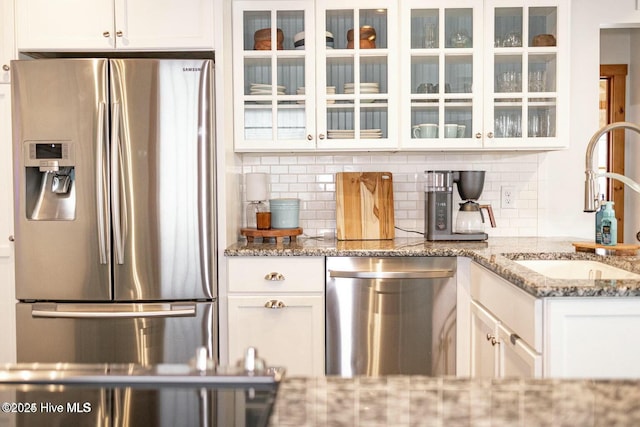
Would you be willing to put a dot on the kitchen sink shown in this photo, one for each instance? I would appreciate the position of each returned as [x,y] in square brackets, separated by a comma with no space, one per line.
[576,269]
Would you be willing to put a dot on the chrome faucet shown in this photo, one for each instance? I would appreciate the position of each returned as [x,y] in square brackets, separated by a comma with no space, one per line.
[591,202]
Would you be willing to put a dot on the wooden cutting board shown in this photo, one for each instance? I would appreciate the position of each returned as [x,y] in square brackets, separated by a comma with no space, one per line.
[364,206]
[619,249]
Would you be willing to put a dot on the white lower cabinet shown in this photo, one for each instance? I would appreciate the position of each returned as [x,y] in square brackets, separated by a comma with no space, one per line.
[582,337]
[276,304]
[505,328]
[497,351]
[484,353]
[289,336]
[592,337]
[516,358]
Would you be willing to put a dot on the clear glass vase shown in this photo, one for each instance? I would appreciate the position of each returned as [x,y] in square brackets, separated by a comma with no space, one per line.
[252,209]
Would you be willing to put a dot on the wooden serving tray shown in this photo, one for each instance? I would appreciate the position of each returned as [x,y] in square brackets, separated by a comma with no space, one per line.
[619,249]
[278,233]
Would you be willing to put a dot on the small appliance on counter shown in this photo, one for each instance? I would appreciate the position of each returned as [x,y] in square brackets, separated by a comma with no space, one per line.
[438,223]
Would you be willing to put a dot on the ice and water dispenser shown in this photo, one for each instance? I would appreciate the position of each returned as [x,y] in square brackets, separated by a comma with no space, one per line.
[49,180]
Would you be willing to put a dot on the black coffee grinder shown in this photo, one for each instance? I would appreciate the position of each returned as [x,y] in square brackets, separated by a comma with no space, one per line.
[438,221]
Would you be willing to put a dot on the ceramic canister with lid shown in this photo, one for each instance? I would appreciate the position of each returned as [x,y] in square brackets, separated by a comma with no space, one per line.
[284,213]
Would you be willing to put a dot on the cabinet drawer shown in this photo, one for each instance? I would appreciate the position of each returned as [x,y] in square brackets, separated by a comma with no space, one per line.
[276,274]
[291,335]
[513,306]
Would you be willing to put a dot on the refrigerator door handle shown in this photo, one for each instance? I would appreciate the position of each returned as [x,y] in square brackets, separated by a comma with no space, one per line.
[100,185]
[204,201]
[110,311]
[116,211]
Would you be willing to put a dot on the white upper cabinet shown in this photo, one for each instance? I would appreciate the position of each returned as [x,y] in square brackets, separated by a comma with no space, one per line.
[527,74]
[314,88]
[442,82]
[114,24]
[7,45]
[485,75]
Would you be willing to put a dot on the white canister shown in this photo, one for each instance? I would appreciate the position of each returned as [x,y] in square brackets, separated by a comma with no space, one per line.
[285,213]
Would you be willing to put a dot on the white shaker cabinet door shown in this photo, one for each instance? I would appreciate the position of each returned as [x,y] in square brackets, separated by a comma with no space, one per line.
[517,359]
[484,343]
[592,337]
[153,24]
[7,44]
[70,25]
[7,287]
[64,24]
[287,331]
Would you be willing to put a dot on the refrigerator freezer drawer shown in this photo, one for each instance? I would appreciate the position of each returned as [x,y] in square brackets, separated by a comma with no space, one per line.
[115,333]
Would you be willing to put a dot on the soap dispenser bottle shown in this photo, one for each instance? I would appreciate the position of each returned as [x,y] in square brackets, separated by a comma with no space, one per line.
[599,214]
[609,226]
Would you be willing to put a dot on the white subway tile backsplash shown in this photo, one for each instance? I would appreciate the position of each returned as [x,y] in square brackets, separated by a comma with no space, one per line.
[312,179]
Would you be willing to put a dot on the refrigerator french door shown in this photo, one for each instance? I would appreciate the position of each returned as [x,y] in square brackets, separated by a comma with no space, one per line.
[114,209]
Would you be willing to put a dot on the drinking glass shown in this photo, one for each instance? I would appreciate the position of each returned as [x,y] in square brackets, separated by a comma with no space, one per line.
[430,36]
[537,81]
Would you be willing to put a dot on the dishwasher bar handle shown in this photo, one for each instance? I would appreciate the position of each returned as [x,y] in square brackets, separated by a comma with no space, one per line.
[413,274]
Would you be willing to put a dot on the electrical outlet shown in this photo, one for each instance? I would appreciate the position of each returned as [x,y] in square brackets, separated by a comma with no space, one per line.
[508,197]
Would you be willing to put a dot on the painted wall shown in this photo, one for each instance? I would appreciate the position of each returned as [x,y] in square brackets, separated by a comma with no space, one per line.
[632,147]
[619,46]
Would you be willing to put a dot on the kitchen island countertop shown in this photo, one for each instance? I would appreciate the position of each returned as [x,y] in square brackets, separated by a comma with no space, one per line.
[456,402]
[496,254]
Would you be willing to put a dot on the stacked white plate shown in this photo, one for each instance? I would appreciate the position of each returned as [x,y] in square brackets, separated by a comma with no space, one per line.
[365,89]
[331,90]
[350,134]
[264,89]
[371,133]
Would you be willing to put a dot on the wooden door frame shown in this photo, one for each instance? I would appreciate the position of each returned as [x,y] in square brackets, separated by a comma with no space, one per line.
[616,74]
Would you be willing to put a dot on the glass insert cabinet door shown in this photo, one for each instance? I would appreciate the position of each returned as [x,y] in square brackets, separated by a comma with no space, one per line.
[443,67]
[524,78]
[274,75]
[357,77]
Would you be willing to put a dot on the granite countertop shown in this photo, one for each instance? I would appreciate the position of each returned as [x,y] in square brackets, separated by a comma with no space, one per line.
[452,402]
[497,254]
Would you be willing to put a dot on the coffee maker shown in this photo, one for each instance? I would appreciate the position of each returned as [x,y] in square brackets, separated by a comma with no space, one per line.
[438,222]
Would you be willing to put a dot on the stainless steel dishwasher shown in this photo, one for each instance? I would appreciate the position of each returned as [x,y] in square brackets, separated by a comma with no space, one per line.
[390,315]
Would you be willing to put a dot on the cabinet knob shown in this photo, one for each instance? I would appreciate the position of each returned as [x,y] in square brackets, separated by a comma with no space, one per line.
[321,136]
[274,276]
[119,33]
[492,339]
[106,34]
[12,239]
[275,304]
[490,135]
[309,137]
[478,135]
[5,67]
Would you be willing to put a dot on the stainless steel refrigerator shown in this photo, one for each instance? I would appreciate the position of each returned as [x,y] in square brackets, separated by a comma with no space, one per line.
[114,209]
